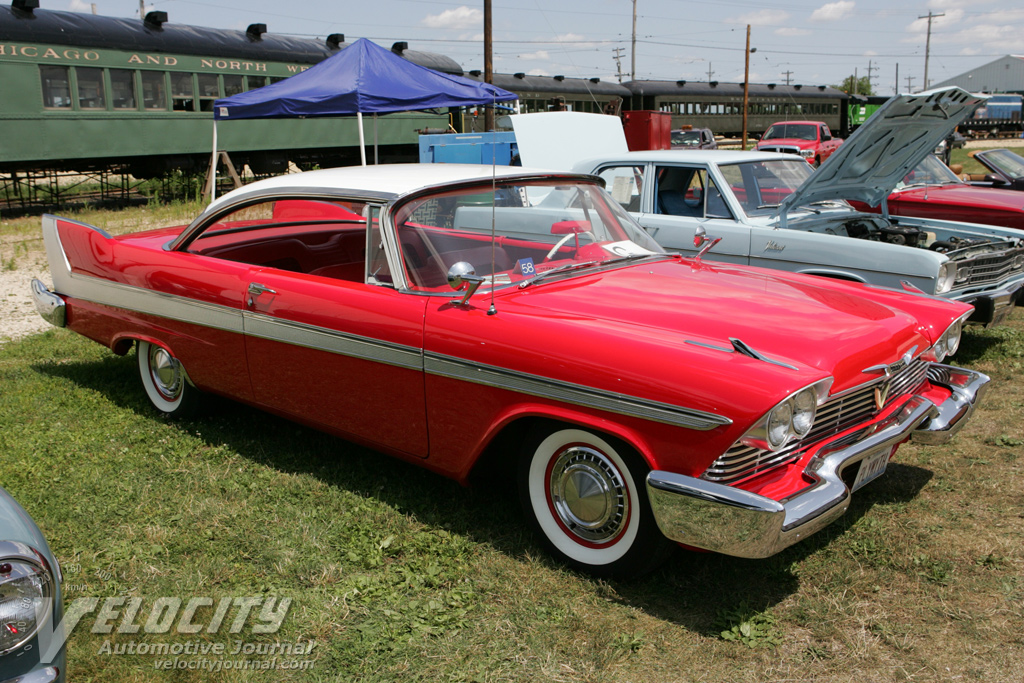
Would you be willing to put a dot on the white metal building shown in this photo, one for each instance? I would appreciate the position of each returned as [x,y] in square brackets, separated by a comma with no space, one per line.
[1004,75]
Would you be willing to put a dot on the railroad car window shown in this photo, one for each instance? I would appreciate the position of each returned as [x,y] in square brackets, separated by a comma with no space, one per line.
[182,93]
[56,87]
[256,81]
[91,94]
[154,89]
[277,79]
[122,89]
[233,85]
[209,90]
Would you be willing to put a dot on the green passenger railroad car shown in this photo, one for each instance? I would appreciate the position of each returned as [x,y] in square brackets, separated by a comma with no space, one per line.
[80,92]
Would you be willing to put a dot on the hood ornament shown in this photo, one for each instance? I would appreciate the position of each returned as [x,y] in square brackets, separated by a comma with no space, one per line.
[702,242]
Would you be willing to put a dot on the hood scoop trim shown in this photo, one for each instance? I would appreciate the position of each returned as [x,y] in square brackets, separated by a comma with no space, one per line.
[742,348]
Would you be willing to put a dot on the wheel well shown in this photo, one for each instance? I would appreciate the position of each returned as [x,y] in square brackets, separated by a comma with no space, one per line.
[501,454]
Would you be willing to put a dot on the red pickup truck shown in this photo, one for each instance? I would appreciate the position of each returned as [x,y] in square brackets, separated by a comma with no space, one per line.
[810,139]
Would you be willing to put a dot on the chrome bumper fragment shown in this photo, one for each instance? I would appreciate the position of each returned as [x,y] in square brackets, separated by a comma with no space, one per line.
[50,305]
[728,520]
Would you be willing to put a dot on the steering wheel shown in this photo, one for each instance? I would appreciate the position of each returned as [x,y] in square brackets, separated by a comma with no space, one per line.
[565,238]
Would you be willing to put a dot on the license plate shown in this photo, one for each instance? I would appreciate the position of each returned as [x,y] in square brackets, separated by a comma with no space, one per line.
[871,468]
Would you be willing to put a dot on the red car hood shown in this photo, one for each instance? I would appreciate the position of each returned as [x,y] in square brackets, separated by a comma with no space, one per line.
[964,195]
[837,328]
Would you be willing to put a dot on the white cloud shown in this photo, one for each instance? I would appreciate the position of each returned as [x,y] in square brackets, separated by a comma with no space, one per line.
[79,6]
[833,11]
[538,72]
[870,53]
[538,55]
[789,32]
[765,17]
[969,51]
[460,17]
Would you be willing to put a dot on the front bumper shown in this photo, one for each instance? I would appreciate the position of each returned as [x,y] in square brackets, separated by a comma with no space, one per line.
[992,307]
[732,521]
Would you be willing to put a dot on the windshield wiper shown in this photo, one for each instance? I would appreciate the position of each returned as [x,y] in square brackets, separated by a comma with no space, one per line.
[560,269]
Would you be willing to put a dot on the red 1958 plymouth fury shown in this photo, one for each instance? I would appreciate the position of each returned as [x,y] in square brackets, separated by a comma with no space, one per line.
[441,313]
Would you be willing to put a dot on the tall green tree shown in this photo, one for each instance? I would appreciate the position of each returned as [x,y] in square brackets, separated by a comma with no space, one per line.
[863,86]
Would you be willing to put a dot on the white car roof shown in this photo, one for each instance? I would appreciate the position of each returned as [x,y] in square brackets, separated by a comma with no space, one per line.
[699,156]
[384,179]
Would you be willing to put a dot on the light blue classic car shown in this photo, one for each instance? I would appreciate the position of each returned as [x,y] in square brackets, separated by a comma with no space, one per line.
[773,210]
[31,647]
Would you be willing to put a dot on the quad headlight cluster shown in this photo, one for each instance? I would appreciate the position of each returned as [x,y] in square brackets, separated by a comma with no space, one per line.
[790,420]
[26,597]
[949,342]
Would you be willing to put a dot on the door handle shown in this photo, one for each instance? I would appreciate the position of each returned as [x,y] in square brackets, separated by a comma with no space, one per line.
[255,289]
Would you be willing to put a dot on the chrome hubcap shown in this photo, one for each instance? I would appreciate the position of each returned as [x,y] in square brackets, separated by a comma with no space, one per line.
[588,494]
[166,372]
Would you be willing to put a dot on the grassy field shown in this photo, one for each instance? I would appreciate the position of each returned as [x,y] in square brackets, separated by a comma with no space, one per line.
[397,574]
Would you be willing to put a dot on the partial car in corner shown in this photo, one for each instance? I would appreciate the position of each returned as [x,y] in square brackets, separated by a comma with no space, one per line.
[456,315]
[31,604]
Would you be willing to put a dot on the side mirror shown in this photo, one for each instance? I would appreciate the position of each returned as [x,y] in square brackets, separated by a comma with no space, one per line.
[462,275]
[570,227]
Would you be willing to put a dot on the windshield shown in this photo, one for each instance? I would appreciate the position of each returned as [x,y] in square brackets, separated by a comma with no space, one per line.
[519,230]
[686,138]
[930,171]
[798,131]
[760,186]
[1003,160]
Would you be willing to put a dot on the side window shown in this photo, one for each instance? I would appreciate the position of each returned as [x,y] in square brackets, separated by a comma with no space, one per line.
[312,236]
[154,89]
[377,270]
[209,90]
[680,191]
[56,87]
[122,89]
[625,183]
[182,92]
[91,93]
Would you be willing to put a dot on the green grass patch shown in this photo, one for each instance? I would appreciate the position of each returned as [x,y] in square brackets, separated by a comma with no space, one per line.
[398,574]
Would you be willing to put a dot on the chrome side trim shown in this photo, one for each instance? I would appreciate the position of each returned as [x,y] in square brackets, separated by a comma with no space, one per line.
[567,392]
[49,305]
[331,341]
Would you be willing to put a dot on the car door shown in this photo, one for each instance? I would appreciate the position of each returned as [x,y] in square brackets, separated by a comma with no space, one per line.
[678,199]
[329,342]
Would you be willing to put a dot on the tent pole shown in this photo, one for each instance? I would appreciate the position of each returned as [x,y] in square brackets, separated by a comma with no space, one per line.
[375,161]
[362,139]
[212,187]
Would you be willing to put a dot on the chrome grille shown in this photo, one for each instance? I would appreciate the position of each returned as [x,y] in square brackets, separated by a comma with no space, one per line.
[837,414]
[987,269]
[785,149]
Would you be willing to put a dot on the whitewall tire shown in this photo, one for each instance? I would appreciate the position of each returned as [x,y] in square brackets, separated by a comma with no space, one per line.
[165,381]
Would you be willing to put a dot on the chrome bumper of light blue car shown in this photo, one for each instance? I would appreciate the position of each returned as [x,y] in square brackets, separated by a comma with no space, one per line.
[49,674]
[732,521]
[50,306]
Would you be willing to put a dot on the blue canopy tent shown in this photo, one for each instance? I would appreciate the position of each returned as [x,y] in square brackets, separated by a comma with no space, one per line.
[363,77]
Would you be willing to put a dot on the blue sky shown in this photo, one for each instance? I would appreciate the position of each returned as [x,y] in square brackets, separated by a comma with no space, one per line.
[816,42]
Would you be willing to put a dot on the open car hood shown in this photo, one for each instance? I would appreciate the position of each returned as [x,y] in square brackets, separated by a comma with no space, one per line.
[886,148]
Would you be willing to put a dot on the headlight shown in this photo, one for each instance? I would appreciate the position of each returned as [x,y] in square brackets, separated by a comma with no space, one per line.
[1018,261]
[963,274]
[807,153]
[947,273]
[26,594]
[951,338]
[791,419]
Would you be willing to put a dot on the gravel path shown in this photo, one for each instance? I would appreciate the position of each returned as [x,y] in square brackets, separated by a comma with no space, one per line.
[18,316]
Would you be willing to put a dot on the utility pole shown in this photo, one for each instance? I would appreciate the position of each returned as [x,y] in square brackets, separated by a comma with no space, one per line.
[788,75]
[746,88]
[928,43]
[896,84]
[618,61]
[632,70]
[710,72]
[142,9]
[870,69]
[910,84]
[488,63]
[855,81]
